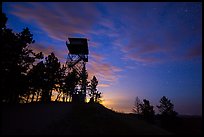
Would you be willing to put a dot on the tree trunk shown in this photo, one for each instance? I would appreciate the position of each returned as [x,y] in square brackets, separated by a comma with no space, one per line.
[27,98]
[58,96]
[67,97]
[50,96]
[32,97]
[37,96]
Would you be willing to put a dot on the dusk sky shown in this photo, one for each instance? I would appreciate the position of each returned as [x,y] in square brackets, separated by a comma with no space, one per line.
[144,49]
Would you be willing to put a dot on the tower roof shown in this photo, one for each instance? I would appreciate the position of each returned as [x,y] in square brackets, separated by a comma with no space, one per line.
[78,46]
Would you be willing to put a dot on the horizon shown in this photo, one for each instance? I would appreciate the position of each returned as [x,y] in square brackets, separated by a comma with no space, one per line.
[140,49]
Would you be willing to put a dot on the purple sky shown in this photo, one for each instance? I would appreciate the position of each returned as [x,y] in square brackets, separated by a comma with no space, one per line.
[140,49]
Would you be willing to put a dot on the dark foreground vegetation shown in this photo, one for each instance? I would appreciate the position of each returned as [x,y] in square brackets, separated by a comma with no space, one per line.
[167,118]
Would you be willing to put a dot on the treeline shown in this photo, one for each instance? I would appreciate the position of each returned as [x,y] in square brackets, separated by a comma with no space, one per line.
[27,76]
[167,115]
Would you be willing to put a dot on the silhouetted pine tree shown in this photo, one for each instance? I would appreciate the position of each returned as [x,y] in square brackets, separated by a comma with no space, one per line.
[136,108]
[166,109]
[52,77]
[61,86]
[36,79]
[147,111]
[16,60]
[94,94]
[70,83]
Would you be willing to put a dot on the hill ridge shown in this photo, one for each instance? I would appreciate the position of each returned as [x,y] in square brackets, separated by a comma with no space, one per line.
[71,119]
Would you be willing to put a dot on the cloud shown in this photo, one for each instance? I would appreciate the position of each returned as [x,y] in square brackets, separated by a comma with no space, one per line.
[103,71]
[145,50]
[160,29]
[158,34]
[59,20]
[107,23]
[38,47]
[195,52]
[48,49]
[96,56]
[138,58]
[93,44]
[104,85]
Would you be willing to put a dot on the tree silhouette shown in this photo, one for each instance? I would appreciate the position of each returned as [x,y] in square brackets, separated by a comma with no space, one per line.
[93,85]
[52,76]
[83,83]
[36,78]
[136,108]
[71,81]
[147,110]
[166,107]
[17,60]
[98,97]
[61,86]
[4,20]
[94,94]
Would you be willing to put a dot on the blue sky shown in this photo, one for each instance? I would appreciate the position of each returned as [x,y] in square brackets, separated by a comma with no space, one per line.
[144,49]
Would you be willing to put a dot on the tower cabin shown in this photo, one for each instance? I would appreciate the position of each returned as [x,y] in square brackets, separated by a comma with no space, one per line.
[78,46]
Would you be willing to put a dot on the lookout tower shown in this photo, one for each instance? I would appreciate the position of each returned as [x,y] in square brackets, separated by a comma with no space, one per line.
[76,59]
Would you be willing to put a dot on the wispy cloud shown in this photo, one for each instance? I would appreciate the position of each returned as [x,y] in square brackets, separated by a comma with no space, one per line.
[139,37]
[104,71]
[96,56]
[194,52]
[48,49]
[158,36]
[38,47]
[59,20]
[103,85]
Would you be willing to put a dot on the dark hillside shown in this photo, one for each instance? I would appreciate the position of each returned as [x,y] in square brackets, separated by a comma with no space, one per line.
[65,119]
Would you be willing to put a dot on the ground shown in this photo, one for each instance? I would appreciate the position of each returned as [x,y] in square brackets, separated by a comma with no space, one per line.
[71,119]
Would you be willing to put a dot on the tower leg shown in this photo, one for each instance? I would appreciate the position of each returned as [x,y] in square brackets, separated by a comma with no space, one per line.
[84,82]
